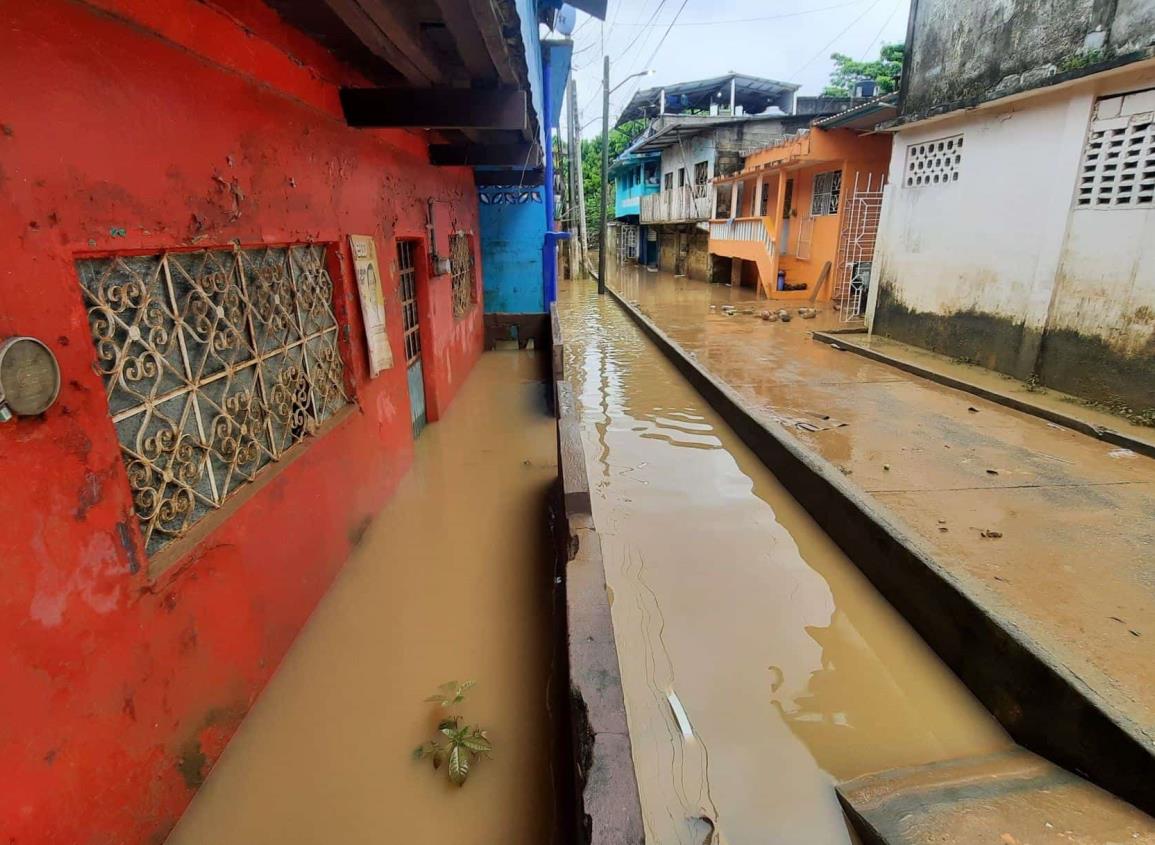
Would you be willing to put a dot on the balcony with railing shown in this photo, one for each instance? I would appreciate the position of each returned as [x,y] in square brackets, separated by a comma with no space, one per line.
[687,204]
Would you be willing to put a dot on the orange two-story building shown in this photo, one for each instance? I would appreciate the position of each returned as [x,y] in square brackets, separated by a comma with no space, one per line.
[797,205]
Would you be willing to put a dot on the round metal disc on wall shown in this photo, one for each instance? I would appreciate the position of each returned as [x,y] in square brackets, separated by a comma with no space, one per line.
[29,376]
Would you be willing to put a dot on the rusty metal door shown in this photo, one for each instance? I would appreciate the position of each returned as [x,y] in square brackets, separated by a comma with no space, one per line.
[411,324]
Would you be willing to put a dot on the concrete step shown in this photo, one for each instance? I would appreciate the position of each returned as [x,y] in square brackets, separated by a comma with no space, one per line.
[1010,798]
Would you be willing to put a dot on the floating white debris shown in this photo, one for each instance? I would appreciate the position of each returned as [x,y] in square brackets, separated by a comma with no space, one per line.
[1121,453]
[680,714]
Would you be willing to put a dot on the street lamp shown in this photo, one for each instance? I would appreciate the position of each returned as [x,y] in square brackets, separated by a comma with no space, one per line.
[606,91]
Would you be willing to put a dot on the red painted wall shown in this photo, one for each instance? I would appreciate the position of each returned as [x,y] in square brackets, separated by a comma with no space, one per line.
[183,124]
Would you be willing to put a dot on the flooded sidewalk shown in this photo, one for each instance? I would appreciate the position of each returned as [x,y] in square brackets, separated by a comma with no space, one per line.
[452,581]
[759,665]
[1053,530]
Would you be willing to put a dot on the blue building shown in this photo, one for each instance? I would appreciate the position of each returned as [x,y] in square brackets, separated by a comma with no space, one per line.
[635,175]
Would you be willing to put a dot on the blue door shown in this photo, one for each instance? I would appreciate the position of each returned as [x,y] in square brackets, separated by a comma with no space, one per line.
[412,326]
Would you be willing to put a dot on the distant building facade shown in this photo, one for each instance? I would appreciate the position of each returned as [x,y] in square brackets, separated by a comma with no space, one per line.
[1018,228]
[696,131]
[798,220]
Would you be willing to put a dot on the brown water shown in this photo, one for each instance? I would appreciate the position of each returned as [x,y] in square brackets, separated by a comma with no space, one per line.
[452,581]
[947,466]
[793,672]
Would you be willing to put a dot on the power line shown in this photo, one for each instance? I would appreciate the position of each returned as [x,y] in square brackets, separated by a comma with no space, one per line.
[641,32]
[849,26]
[748,20]
[882,29]
[650,61]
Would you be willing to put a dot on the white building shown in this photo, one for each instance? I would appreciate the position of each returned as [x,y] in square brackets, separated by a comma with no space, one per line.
[1018,227]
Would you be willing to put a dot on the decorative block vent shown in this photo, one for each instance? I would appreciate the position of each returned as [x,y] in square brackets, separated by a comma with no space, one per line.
[215,364]
[934,162]
[1119,158]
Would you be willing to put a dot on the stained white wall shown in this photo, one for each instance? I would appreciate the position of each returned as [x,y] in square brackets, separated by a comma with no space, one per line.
[1008,238]
[1106,280]
[989,241]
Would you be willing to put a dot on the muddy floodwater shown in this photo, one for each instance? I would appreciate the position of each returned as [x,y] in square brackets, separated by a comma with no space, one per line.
[759,665]
[452,581]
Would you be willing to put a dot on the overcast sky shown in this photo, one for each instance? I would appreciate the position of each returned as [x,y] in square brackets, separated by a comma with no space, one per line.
[788,40]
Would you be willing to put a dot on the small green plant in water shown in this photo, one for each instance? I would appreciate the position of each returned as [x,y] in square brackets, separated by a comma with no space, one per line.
[460,744]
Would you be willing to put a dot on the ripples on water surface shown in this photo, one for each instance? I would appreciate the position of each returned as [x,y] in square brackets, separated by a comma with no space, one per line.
[792,671]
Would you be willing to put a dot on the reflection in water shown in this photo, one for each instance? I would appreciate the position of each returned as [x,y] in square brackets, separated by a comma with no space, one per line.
[452,580]
[791,669]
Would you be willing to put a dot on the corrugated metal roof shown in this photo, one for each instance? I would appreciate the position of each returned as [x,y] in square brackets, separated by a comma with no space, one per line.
[863,116]
[753,93]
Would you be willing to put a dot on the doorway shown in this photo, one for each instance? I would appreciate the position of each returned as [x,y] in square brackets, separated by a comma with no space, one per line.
[411,324]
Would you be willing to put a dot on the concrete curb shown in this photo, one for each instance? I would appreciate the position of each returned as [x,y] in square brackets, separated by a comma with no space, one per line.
[1042,704]
[609,810]
[1107,435]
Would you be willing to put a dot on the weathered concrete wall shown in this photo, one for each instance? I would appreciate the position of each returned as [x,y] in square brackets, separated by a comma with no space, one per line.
[143,127]
[962,55]
[1000,267]
[698,261]
[974,248]
[1100,334]
[689,242]
[667,248]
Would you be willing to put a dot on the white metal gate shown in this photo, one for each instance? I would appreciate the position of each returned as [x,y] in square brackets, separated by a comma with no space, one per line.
[856,246]
[627,243]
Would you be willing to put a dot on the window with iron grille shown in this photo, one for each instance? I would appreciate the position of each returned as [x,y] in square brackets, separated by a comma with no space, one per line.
[1119,157]
[215,364]
[701,173]
[461,269]
[827,187]
[934,162]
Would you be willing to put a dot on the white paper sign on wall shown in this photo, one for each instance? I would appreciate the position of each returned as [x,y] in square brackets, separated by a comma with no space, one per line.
[368,270]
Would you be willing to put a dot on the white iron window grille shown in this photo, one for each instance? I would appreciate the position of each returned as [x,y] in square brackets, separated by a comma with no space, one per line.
[1119,158]
[461,270]
[934,162]
[827,188]
[215,363]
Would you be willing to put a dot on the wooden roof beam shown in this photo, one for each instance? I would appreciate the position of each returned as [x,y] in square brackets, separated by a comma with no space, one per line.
[521,156]
[382,28]
[435,108]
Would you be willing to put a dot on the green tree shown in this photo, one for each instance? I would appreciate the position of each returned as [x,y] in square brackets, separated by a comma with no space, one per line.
[620,138]
[847,71]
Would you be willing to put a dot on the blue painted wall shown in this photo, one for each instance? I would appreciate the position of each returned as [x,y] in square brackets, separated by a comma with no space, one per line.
[632,181]
[512,220]
[512,231]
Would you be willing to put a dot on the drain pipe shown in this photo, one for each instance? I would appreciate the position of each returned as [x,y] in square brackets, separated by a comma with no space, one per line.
[552,236]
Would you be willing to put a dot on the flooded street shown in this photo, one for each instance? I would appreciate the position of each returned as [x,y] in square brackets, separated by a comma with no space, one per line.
[1069,510]
[731,605]
[451,581]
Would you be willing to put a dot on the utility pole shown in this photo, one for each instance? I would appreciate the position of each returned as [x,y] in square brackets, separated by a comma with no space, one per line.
[576,157]
[576,207]
[605,173]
